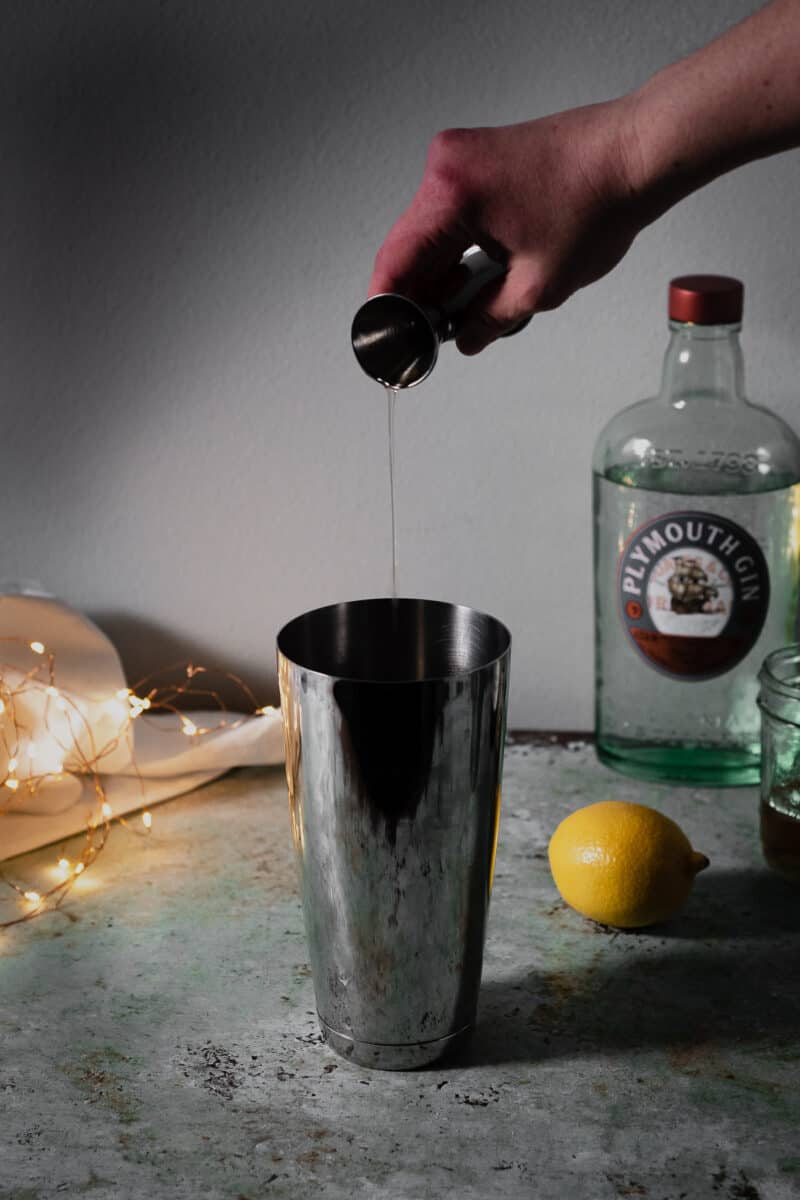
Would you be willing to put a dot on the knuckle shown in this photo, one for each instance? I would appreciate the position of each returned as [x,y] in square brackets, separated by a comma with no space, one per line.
[387,255]
[448,168]
[449,144]
[528,299]
[556,292]
[382,256]
[525,294]
[492,323]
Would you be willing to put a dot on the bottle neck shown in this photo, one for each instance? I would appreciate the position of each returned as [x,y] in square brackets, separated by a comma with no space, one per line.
[703,362]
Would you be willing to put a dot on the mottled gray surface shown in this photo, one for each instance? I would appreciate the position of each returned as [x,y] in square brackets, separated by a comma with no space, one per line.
[159,1038]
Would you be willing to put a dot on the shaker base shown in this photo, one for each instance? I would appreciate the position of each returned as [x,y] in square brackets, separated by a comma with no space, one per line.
[392,1056]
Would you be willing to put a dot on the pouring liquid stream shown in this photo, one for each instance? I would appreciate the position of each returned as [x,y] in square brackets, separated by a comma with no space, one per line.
[391,396]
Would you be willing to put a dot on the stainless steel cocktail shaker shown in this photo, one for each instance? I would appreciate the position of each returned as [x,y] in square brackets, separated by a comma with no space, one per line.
[394,718]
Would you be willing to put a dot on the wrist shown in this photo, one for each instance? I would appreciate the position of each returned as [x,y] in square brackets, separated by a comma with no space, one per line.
[655,170]
[731,102]
[610,157]
[621,167]
[675,139]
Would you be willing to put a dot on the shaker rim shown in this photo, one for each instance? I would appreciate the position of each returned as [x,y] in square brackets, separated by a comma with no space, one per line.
[291,627]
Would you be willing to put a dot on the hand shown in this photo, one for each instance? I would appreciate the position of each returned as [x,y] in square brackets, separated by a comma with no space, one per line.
[551,197]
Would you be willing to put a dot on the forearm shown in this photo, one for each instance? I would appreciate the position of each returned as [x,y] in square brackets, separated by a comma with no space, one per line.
[735,100]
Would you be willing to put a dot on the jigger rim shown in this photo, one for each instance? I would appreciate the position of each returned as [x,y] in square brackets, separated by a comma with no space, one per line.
[487,661]
[425,324]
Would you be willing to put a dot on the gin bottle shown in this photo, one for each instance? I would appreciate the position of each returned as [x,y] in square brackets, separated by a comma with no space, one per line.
[696,523]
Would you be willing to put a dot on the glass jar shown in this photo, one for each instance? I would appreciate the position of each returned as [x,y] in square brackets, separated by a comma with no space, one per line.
[779,701]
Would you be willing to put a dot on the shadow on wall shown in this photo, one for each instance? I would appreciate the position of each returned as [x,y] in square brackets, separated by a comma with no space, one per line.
[149,649]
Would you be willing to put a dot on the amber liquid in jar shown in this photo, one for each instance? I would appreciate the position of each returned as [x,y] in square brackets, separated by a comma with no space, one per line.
[780,840]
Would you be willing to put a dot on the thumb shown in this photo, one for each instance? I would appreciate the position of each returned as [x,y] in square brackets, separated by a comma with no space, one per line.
[499,309]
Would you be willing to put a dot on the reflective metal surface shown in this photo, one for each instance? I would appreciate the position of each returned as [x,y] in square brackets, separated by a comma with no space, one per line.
[397,341]
[394,719]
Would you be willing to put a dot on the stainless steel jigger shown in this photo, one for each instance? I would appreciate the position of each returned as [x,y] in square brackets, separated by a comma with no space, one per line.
[396,341]
[394,720]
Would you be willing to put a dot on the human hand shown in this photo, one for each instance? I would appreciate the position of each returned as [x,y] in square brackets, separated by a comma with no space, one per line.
[552,198]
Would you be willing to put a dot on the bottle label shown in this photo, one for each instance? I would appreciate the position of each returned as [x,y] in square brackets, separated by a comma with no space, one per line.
[693,593]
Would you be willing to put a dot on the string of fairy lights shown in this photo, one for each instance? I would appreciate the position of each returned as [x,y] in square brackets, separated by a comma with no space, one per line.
[71,749]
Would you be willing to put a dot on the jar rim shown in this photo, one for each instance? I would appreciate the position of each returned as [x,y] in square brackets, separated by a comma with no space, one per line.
[780,671]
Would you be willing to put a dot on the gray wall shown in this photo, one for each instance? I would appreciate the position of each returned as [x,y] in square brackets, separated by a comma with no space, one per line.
[192,197]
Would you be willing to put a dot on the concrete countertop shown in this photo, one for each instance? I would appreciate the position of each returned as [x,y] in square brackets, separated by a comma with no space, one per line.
[159,1036]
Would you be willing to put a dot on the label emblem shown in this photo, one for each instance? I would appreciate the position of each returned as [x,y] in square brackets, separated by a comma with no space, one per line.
[693,593]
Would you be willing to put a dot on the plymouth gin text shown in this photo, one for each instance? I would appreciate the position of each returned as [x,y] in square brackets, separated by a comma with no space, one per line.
[696,518]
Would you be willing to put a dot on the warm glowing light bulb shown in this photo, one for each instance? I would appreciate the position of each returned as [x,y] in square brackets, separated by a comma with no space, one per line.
[63,864]
[138,705]
[106,809]
[265,710]
[37,647]
[123,693]
[147,820]
[78,868]
[34,897]
[12,784]
[189,728]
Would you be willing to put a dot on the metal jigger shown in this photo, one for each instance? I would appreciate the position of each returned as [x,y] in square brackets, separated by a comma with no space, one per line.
[396,340]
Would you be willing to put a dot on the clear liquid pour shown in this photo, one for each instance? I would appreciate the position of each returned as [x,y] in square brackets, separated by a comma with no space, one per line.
[391,396]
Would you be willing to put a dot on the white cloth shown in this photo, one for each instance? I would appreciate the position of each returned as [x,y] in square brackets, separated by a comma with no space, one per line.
[61,713]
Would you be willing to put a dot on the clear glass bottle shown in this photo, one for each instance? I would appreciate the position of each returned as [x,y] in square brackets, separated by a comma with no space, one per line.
[696,524]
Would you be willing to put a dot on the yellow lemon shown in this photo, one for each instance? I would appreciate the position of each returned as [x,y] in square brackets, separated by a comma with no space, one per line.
[623,864]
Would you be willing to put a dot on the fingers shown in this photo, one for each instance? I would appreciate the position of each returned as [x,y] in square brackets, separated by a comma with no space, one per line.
[451,212]
[419,251]
[498,310]
[430,237]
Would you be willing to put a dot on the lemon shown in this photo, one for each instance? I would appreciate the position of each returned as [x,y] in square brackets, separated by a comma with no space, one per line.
[623,864]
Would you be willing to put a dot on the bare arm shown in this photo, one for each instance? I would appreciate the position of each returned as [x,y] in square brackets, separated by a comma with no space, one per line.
[736,100]
[563,197]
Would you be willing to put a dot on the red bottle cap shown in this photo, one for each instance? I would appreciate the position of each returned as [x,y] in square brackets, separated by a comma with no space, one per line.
[706,300]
